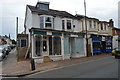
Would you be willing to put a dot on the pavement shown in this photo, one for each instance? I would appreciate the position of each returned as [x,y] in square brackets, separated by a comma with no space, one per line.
[12,68]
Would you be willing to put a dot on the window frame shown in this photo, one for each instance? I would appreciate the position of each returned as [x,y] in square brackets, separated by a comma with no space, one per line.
[95,24]
[63,24]
[90,23]
[21,42]
[101,26]
[44,21]
[70,24]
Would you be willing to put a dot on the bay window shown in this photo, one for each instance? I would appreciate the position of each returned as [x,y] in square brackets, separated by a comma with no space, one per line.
[46,22]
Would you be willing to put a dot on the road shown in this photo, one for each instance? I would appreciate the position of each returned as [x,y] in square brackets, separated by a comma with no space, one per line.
[101,68]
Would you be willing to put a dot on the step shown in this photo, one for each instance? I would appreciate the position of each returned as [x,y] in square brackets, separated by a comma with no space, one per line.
[47,59]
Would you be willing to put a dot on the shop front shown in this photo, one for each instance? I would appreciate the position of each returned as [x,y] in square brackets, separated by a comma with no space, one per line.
[106,45]
[53,45]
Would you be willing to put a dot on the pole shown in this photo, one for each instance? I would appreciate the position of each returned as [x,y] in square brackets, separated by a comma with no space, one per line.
[17,37]
[86,30]
[31,59]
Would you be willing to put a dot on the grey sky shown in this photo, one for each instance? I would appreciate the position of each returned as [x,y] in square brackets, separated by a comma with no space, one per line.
[10,9]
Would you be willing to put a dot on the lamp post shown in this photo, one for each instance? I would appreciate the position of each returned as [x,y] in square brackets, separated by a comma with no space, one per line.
[86,30]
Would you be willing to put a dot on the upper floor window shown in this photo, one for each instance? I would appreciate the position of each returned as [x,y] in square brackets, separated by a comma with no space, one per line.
[82,25]
[41,22]
[101,26]
[69,24]
[105,26]
[90,24]
[63,24]
[94,24]
[46,22]
[43,6]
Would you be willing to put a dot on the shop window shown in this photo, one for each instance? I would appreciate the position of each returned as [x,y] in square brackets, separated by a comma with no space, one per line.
[57,46]
[96,45]
[38,41]
[50,46]
[23,42]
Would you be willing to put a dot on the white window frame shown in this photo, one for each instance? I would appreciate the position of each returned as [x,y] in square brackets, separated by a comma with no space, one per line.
[62,23]
[71,24]
[44,22]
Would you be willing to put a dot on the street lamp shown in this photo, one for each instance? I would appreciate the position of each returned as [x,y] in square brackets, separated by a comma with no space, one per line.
[86,30]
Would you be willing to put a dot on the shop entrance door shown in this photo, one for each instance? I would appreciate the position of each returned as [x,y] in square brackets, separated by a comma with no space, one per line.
[45,46]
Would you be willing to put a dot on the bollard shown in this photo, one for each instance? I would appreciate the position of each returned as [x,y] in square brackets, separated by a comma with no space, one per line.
[32,64]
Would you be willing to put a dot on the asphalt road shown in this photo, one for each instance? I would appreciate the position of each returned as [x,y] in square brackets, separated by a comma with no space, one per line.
[101,68]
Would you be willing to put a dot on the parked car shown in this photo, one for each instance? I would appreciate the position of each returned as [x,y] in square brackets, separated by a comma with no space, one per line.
[117,53]
[2,52]
[1,55]
[12,46]
[113,51]
[8,49]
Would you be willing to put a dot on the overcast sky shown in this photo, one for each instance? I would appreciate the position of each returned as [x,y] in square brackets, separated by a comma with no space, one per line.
[10,9]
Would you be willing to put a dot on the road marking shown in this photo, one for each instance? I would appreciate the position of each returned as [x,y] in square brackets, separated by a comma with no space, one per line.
[67,66]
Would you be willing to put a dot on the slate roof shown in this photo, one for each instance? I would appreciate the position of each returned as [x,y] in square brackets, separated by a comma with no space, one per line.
[51,12]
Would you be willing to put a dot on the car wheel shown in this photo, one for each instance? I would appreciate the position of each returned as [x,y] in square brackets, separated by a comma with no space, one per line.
[7,53]
[116,57]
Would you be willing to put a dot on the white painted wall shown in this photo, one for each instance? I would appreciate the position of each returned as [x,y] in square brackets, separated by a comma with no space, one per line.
[58,23]
[35,20]
[78,26]
[28,21]
[115,42]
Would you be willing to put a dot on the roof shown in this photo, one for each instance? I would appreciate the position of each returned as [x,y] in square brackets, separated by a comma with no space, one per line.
[82,16]
[51,12]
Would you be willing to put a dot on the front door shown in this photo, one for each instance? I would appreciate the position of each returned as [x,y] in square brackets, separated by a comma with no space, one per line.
[45,46]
